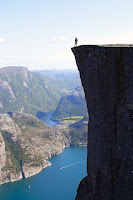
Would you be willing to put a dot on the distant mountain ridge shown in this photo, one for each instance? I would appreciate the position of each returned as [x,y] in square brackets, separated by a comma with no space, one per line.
[30,92]
[54,72]
[63,80]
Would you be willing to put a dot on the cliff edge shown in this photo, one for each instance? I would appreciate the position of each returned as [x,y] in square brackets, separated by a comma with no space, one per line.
[106,73]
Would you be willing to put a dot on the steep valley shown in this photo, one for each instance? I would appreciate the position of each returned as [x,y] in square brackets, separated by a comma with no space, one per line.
[26,143]
[31,92]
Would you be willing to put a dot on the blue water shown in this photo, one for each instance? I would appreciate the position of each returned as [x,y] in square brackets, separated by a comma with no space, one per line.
[51,183]
[46,119]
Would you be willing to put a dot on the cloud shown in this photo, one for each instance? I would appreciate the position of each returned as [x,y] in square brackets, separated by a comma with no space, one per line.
[57,38]
[2,40]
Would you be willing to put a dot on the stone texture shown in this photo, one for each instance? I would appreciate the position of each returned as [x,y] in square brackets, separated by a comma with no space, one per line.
[29,171]
[1,106]
[2,154]
[5,87]
[38,140]
[8,124]
[15,176]
[107,77]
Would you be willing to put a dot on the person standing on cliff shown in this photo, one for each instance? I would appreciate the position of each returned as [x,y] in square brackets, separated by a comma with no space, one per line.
[76,41]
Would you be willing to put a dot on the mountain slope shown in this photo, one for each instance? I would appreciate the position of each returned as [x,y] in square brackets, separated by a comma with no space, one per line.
[25,145]
[76,133]
[21,90]
[64,81]
[71,105]
[30,92]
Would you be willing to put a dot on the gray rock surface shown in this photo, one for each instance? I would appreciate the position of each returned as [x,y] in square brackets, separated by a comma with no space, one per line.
[5,87]
[8,124]
[107,77]
[29,171]
[35,140]
[1,106]
[2,155]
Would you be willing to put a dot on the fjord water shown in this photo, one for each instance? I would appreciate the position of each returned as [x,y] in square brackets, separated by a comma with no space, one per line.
[46,119]
[51,183]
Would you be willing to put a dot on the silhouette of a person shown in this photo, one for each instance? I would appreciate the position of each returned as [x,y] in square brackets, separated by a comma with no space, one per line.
[76,41]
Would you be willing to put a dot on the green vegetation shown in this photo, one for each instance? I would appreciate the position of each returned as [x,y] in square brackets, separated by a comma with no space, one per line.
[16,153]
[31,122]
[72,119]
[36,161]
[71,105]
[64,85]
[32,92]
[78,136]
[77,132]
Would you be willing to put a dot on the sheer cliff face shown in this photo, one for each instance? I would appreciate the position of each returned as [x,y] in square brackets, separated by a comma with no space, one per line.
[107,76]
[2,154]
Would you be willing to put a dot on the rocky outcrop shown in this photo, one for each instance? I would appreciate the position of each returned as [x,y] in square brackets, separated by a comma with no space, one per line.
[5,88]
[15,176]
[76,133]
[1,106]
[29,171]
[107,76]
[2,154]
[78,92]
[29,143]
[6,175]
[15,70]
[8,124]
[10,176]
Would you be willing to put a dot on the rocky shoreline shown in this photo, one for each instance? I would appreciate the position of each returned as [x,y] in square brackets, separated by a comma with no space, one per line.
[26,172]
[25,145]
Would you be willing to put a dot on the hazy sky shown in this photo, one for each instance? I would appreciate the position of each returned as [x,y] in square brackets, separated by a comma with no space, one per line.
[39,34]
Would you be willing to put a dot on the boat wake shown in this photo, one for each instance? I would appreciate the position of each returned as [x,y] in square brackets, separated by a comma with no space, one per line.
[73,164]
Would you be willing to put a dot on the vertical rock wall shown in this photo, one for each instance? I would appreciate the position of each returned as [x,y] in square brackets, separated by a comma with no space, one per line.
[107,77]
[2,156]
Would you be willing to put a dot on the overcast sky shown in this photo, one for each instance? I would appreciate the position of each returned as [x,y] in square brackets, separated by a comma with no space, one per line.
[39,34]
